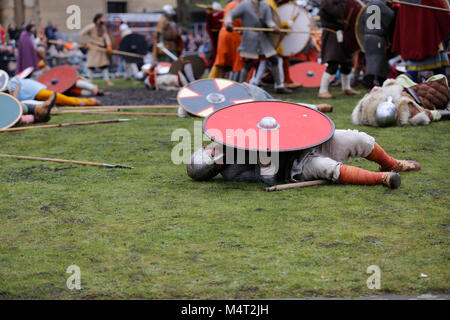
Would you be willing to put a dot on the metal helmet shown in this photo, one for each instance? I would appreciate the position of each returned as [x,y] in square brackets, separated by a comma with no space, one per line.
[202,166]
[169,10]
[386,113]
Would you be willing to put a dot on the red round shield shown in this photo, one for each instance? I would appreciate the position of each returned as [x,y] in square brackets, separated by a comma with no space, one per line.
[308,74]
[59,79]
[269,126]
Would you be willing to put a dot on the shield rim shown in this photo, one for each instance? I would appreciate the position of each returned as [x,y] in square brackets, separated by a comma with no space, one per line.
[351,29]
[310,26]
[357,25]
[333,129]
[5,85]
[63,66]
[181,105]
[20,108]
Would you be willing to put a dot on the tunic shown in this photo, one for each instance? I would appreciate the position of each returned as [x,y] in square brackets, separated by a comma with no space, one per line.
[96,58]
[254,43]
[332,17]
[27,55]
[28,89]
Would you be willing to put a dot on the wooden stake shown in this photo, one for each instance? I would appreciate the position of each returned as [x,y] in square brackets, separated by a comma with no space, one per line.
[419,5]
[296,185]
[122,53]
[65,125]
[271,30]
[85,163]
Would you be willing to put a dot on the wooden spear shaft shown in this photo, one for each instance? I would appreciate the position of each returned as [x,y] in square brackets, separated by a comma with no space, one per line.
[271,30]
[123,53]
[65,125]
[135,114]
[79,109]
[296,185]
[85,163]
[419,5]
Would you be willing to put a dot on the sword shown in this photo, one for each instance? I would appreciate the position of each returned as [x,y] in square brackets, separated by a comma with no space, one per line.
[167,52]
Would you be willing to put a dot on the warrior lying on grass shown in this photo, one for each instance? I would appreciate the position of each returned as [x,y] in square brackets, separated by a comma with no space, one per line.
[32,90]
[326,161]
[403,102]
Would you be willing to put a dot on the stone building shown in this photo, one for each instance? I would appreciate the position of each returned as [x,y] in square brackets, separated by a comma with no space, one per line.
[42,11]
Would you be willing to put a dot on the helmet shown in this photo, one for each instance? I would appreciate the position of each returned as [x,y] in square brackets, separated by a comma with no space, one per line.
[216,6]
[169,10]
[4,80]
[386,113]
[202,166]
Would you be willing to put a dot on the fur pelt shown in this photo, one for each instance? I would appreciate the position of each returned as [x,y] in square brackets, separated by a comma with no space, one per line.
[364,112]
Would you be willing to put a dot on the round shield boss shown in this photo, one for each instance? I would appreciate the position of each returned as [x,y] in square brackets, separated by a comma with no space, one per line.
[133,43]
[294,43]
[308,74]
[59,79]
[10,111]
[269,126]
[203,97]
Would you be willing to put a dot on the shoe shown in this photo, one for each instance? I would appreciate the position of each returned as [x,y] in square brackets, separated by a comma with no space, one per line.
[283,90]
[325,108]
[292,85]
[325,95]
[403,165]
[350,92]
[109,83]
[95,102]
[42,111]
[392,180]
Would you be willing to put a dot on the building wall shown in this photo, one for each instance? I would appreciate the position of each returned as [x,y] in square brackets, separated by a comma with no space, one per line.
[42,11]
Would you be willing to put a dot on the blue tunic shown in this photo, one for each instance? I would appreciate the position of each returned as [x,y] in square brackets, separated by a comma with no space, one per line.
[28,89]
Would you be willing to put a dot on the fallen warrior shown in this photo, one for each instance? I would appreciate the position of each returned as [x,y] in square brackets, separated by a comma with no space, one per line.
[402,102]
[326,161]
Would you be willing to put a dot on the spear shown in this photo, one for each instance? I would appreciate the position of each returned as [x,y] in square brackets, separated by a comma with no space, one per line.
[295,185]
[122,53]
[135,114]
[419,5]
[65,125]
[271,30]
[85,163]
[109,108]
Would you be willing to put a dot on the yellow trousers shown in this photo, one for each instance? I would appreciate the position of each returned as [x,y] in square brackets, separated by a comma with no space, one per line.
[63,100]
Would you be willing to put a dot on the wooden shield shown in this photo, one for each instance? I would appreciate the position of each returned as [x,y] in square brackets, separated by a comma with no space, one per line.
[353,9]
[25,73]
[10,111]
[294,43]
[203,97]
[59,79]
[359,29]
[4,79]
[133,43]
[198,65]
[268,126]
[308,74]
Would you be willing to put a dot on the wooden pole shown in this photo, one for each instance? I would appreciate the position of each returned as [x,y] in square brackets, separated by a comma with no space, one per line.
[271,30]
[122,53]
[296,185]
[65,125]
[114,108]
[419,5]
[135,114]
[85,163]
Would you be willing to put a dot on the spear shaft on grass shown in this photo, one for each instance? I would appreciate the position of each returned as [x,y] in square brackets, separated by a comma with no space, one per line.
[85,163]
[66,125]
[296,185]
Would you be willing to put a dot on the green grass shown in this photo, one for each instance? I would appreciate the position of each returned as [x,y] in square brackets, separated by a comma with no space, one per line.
[154,233]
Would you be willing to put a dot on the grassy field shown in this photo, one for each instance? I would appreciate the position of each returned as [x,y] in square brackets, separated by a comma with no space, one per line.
[154,233]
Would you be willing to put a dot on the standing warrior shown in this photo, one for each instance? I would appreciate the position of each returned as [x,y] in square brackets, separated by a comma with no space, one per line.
[167,35]
[256,44]
[334,52]
[227,56]
[98,37]
[376,42]
[27,55]
[214,17]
